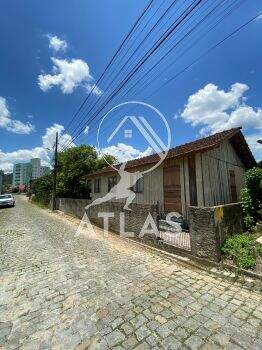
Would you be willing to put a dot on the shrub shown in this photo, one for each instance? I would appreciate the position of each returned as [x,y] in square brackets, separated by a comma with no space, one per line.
[259,249]
[241,249]
[42,189]
[247,208]
[251,196]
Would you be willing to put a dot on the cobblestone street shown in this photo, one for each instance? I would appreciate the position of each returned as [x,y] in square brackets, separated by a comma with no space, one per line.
[61,291]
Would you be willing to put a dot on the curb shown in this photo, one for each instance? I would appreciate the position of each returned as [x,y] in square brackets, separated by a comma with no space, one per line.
[248,279]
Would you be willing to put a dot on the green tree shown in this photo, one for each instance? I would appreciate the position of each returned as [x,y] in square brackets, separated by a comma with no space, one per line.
[251,197]
[73,165]
[42,189]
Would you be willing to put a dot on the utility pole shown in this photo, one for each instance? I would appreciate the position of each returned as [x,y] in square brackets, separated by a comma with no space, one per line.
[55,174]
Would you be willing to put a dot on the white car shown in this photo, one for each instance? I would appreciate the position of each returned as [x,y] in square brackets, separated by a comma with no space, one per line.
[7,200]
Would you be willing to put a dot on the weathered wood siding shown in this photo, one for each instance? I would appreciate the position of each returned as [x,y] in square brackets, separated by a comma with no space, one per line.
[153,185]
[212,179]
[213,184]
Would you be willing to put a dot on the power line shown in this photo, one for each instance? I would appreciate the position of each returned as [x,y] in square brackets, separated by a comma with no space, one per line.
[146,83]
[55,173]
[166,35]
[176,76]
[111,61]
[153,49]
[127,61]
[188,33]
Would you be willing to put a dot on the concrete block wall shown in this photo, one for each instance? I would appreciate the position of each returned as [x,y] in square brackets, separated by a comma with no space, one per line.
[133,219]
[73,206]
[210,226]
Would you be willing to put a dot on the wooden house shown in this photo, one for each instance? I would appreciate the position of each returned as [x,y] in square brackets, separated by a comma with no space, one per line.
[206,172]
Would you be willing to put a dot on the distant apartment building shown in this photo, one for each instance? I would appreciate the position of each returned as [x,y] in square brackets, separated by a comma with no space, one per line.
[44,170]
[24,172]
[36,168]
[21,174]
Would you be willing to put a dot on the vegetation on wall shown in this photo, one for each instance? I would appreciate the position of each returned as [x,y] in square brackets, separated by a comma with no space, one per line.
[251,197]
[243,249]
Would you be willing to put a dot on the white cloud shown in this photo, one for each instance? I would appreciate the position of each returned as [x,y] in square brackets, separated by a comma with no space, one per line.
[4,113]
[50,135]
[8,159]
[216,110]
[259,18]
[125,152]
[254,145]
[68,75]
[18,127]
[12,125]
[56,43]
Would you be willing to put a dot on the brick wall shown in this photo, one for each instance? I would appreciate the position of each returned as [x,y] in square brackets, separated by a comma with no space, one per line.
[210,226]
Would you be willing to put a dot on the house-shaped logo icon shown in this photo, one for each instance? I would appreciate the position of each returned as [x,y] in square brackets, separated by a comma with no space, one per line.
[144,128]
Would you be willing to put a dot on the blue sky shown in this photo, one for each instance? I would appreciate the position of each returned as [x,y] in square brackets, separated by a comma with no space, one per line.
[53,52]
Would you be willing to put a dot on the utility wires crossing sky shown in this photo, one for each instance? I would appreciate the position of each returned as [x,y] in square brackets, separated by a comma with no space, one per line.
[190,18]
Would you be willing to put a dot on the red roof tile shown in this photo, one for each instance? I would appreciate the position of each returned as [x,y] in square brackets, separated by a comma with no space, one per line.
[195,146]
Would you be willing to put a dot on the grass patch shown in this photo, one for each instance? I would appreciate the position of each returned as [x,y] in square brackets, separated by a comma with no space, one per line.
[242,249]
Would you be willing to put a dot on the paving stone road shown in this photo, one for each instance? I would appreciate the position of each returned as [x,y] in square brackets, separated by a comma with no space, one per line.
[61,291]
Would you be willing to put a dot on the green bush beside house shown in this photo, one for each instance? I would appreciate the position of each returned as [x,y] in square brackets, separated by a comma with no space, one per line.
[242,248]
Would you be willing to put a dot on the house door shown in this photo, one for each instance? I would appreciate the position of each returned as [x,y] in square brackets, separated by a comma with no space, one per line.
[172,189]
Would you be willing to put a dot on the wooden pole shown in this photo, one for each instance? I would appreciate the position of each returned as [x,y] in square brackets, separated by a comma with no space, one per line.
[55,174]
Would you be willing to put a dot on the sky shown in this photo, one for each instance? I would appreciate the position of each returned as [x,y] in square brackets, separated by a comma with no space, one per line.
[53,53]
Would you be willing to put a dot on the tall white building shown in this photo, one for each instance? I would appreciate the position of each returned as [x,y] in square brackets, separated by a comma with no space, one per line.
[24,172]
[21,174]
[36,168]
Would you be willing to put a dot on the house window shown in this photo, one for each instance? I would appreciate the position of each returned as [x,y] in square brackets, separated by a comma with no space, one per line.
[97,185]
[233,187]
[139,186]
[111,182]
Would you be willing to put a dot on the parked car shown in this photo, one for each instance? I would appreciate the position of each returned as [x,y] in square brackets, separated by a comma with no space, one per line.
[7,200]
